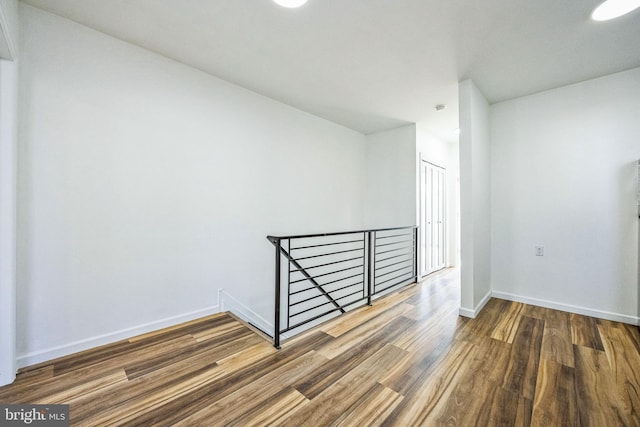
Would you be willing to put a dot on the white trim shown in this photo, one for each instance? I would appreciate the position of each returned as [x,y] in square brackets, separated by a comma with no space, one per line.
[616,317]
[229,303]
[465,312]
[85,344]
[422,271]
[8,215]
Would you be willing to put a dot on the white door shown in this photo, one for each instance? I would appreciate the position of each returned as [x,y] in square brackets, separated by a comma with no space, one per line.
[433,180]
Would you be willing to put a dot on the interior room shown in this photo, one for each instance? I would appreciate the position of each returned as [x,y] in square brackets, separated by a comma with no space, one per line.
[149,147]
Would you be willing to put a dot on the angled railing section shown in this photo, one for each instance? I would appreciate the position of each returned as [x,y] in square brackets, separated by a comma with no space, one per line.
[322,275]
[303,271]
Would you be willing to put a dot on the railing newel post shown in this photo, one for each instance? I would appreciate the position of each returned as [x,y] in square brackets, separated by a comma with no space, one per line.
[371,263]
[288,285]
[276,323]
[370,271]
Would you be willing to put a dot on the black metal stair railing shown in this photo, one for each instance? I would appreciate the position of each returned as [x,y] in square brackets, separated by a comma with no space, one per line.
[318,275]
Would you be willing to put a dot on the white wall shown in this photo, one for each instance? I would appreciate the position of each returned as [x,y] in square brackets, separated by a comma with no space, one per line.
[391,178]
[145,185]
[475,199]
[564,176]
[8,171]
[8,167]
[431,148]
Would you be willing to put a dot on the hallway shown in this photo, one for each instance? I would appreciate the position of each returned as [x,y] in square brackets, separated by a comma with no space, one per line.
[407,360]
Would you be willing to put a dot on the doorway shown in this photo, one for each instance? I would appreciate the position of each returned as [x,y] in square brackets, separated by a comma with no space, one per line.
[432,217]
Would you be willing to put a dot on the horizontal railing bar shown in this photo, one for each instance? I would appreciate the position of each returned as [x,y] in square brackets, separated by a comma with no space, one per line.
[392,257]
[304,236]
[328,244]
[316,306]
[393,250]
[328,283]
[346,287]
[305,311]
[405,245]
[393,278]
[328,254]
[395,263]
[394,243]
[408,247]
[348,295]
[320,316]
[320,305]
[327,274]
[329,292]
[394,285]
[393,271]
[297,325]
[344,278]
[394,235]
[328,263]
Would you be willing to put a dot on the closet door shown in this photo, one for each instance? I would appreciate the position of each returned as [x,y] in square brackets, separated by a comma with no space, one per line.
[433,247]
[438,242]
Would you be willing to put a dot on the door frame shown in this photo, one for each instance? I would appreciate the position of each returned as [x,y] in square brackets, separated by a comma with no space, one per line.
[423,264]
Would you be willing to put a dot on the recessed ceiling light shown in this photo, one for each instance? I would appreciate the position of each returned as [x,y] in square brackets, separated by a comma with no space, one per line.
[290,3]
[611,9]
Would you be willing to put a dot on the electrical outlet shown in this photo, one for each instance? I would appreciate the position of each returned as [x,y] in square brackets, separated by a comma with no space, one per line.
[539,250]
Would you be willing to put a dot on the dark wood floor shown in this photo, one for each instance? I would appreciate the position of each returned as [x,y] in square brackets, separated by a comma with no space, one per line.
[408,360]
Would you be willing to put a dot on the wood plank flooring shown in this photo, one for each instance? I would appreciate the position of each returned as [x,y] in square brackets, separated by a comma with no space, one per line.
[408,360]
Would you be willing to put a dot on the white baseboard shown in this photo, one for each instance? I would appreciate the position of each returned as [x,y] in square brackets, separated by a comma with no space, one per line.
[111,337]
[616,317]
[467,312]
[229,303]
[472,313]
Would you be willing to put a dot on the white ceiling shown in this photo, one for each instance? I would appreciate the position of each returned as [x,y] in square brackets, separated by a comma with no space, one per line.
[372,65]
